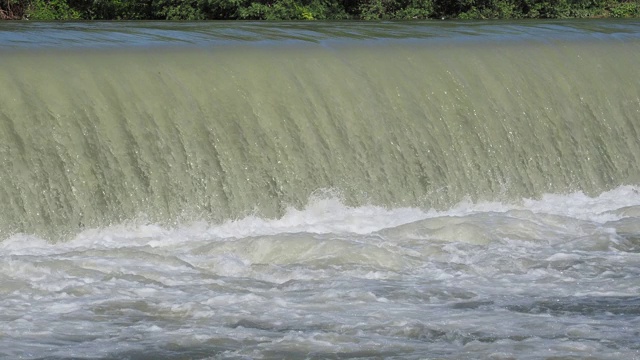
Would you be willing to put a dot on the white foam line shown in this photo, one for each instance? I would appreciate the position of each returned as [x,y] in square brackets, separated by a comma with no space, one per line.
[322,216]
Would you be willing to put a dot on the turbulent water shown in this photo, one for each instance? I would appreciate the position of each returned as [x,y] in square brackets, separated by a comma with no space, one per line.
[320,190]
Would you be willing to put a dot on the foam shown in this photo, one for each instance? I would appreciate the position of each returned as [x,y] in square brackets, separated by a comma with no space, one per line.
[351,272]
[326,215]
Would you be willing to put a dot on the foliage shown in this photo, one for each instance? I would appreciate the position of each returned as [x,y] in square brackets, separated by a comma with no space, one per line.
[313,9]
[11,9]
[277,10]
[623,9]
[52,10]
[177,10]
[395,9]
[293,10]
[490,9]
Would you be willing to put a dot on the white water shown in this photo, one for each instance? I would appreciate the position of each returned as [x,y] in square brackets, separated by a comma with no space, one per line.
[558,276]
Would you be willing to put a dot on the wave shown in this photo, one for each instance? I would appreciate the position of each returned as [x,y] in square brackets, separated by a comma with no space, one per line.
[327,214]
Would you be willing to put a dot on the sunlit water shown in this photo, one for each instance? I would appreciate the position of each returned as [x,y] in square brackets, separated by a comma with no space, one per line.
[550,277]
[428,190]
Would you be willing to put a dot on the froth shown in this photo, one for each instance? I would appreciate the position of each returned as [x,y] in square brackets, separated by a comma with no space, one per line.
[329,215]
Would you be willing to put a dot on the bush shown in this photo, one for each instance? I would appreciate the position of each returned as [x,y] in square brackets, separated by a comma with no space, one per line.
[13,9]
[623,9]
[312,9]
[490,9]
[118,10]
[177,10]
[52,10]
[292,10]
[395,9]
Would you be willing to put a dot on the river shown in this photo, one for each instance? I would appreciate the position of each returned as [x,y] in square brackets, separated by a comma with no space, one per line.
[318,190]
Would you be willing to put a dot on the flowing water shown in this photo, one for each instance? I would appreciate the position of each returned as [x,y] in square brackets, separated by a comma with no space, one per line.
[435,190]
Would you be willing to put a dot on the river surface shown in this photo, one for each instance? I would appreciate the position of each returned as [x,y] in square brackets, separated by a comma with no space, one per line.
[245,190]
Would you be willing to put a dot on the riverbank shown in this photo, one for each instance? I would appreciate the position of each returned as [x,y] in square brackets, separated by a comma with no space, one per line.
[315,9]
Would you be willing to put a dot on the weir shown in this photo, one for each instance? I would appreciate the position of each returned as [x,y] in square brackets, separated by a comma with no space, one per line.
[93,137]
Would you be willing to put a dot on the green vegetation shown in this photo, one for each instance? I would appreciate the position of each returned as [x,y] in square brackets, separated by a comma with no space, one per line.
[313,9]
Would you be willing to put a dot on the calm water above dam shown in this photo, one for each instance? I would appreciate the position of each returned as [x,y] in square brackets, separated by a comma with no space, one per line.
[240,190]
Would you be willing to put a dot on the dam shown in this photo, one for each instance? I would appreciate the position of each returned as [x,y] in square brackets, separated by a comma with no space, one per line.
[320,190]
